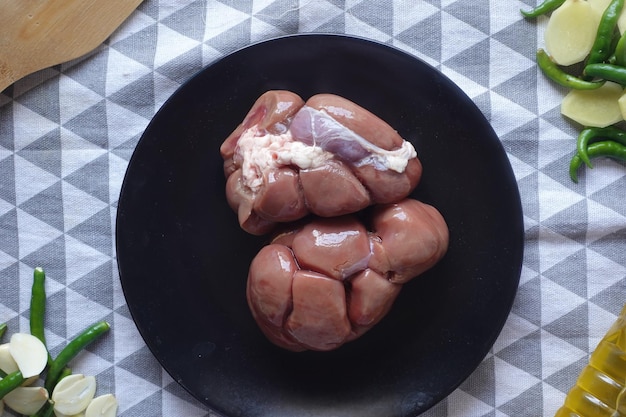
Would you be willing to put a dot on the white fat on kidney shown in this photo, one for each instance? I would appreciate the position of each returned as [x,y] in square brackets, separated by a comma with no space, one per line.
[313,139]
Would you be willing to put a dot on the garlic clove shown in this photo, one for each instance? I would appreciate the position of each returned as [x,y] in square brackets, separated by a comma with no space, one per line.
[57,414]
[29,353]
[26,400]
[73,394]
[7,363]
[102,406]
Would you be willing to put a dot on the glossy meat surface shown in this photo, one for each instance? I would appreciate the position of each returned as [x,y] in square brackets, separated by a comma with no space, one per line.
[328,281]
[328,157]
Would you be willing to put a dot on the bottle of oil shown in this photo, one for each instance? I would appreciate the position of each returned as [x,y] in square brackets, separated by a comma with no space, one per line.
[600,388]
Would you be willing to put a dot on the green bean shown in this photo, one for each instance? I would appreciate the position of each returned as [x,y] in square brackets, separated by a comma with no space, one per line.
[607,148]
[65,372]
[546,7]
[592,134]
[3,330]
[556,74]
[607,72]
[38,306]
[601,49]
[10,382]
[47,410]
[73,348]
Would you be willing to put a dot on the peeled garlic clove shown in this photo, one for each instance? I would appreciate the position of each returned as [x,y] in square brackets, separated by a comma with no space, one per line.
[26,400]
[29,353]
[7,363]
[102,406]
[571,32]
[57,414]
[73,394]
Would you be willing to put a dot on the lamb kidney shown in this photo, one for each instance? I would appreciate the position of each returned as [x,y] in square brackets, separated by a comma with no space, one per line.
[323,283]
[328,157]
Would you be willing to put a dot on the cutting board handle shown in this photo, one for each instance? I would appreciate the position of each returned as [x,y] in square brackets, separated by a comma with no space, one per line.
[44,33]
[7,76]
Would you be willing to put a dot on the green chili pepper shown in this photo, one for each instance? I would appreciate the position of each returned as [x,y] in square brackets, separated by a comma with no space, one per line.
[546,7]
[601,49]
[606,148]
[620,51]
[556,74]
[608,72]
[10,382]
[72,349]
[592,134]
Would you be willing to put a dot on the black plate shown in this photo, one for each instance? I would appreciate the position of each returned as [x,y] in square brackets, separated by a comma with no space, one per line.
[183,259]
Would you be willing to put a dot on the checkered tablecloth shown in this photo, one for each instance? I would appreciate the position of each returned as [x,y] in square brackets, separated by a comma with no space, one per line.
[67,134]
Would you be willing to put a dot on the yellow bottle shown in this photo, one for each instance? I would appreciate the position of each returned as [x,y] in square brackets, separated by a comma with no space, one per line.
[600,388]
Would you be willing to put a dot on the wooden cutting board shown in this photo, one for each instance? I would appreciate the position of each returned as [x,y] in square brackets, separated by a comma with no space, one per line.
[36,34]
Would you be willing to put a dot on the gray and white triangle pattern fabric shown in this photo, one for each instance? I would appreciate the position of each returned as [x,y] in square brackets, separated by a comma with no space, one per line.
[67,134]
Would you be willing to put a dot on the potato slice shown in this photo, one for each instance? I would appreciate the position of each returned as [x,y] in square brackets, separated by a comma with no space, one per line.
[571,31]
[622,104]
[598,7]
[621,21]
[594,108]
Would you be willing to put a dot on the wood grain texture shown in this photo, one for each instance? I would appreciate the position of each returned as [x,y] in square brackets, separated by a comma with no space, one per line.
[36,34]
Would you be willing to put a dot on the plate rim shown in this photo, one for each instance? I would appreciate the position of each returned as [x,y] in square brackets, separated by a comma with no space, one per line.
[517,268]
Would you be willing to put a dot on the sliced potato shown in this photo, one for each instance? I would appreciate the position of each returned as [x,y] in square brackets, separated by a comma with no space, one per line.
[621,22]
[622,104]
[598,7]
[571,31]
[594,108]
